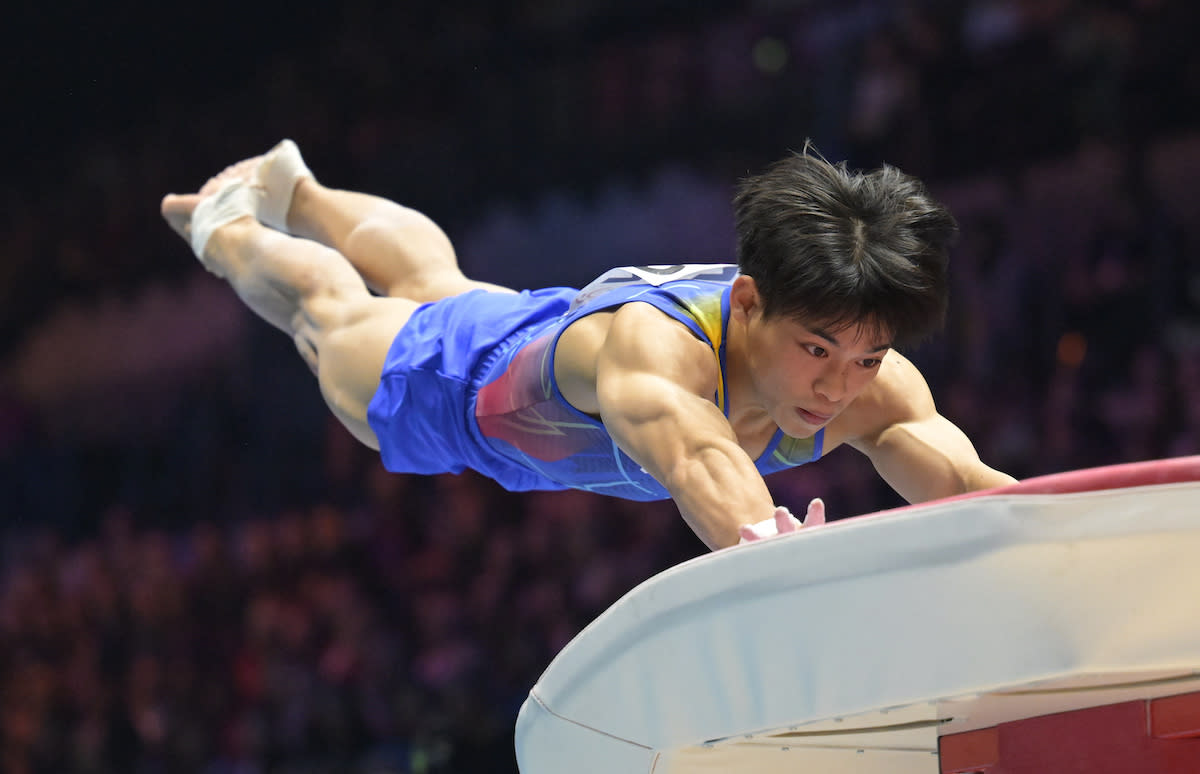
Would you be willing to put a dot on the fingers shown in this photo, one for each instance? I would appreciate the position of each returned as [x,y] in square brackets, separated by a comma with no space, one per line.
[816,513]
[767,527]
[785,522]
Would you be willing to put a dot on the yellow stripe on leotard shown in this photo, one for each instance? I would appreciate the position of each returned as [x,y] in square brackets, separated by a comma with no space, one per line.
[706,311]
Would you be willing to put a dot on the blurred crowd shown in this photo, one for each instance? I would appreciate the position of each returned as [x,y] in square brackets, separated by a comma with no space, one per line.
[203,573]
[400,635]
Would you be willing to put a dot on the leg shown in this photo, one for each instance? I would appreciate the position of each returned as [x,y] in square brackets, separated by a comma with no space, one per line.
[312,293]
[398,251]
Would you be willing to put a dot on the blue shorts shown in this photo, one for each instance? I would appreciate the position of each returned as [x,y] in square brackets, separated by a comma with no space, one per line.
[423,412]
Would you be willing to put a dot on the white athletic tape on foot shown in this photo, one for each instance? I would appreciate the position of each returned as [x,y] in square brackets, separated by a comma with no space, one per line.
[281,169]
[234,200]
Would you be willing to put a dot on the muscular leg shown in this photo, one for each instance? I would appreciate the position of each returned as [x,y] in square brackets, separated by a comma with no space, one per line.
[398,251]
[312,293]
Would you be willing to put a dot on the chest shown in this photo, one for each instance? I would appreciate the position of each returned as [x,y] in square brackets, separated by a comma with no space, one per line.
[755,441]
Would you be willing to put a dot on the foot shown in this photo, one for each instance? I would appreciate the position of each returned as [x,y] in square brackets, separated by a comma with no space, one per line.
[276,176]
[198,217]
[272,177]
[178,208]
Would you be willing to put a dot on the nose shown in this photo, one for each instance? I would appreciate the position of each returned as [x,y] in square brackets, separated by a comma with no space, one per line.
[831,384]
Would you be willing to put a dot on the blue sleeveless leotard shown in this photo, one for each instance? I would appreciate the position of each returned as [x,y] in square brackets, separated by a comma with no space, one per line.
[469,383]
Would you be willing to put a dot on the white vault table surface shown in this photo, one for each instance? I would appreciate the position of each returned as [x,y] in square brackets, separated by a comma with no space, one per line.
[896,620]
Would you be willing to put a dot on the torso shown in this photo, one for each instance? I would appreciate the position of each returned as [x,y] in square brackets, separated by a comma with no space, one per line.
[537,403]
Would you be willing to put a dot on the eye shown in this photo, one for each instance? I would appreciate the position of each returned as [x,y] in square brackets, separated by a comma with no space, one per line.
[870,362]
[815,350]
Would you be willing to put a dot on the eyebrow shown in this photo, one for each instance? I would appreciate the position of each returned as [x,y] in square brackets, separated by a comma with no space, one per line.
[824,334]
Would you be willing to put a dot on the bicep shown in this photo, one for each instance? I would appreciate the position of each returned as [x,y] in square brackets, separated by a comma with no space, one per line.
[653,379]
[656,422]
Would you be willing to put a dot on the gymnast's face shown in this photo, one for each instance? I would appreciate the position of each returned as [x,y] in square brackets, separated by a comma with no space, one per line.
[816,372]
[805,374]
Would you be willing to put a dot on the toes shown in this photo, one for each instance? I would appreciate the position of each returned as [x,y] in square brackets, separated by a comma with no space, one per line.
[177,210]
[212,184]
[242,170]
[174,205]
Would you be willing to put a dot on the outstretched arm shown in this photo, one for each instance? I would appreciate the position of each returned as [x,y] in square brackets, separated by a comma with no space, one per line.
[920,453]
[654,384]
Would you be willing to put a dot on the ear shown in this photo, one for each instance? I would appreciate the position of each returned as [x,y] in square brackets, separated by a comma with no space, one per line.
[744,300]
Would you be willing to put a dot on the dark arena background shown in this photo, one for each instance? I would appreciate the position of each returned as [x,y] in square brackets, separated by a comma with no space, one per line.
[201,572]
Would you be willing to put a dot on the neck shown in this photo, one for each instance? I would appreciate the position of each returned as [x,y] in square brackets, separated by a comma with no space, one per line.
[746,412]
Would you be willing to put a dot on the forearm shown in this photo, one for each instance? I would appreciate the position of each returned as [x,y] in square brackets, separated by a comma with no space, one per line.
[717,489]
[933,460]
[945,480]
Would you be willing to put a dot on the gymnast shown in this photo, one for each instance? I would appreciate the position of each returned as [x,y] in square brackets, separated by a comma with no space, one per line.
[688,381]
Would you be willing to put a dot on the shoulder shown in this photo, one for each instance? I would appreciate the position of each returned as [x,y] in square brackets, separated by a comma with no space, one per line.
[899,394]
[635,339]
[643,338]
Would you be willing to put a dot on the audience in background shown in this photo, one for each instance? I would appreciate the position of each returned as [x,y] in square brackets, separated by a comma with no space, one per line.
[177,594]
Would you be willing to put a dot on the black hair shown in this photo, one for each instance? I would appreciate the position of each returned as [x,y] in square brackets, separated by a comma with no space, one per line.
[832,247]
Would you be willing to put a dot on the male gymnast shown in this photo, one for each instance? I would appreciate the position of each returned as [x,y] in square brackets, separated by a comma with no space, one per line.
[690,381]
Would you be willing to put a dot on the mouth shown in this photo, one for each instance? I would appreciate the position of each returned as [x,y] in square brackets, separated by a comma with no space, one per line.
[813,419]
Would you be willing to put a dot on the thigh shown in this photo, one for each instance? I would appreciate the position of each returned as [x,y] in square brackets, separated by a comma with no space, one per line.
[437,283]
[397,250]
[351,356]
[379,339]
